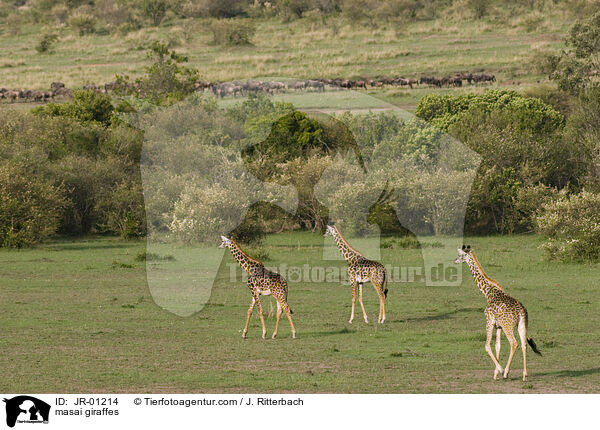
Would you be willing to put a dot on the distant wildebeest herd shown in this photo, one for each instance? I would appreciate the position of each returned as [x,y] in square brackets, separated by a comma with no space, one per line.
[223,89]
[56,89]
[242,88]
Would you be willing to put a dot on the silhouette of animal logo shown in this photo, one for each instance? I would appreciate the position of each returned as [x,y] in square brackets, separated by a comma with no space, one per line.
[26,409]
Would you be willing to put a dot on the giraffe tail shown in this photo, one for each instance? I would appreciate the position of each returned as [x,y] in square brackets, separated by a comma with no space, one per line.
[530,341]
[533,346]
[385,291]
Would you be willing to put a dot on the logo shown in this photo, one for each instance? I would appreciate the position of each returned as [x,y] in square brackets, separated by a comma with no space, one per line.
[26,409]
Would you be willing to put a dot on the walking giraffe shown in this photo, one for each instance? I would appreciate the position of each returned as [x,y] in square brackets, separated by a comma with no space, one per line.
[502,312]
[261,281]
[361,270]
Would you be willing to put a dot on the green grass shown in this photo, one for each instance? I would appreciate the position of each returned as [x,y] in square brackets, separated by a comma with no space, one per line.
[77,316]
[502,45]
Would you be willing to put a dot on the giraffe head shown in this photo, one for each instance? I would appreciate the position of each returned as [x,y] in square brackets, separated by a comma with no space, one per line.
[224,242]
[463,254]
[330,231]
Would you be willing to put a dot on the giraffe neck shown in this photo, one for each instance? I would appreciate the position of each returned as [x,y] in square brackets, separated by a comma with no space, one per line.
[485,284]
[346,250]
[244,260]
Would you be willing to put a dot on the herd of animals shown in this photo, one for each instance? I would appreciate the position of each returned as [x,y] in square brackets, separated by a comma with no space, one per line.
[242,88]
[502,313]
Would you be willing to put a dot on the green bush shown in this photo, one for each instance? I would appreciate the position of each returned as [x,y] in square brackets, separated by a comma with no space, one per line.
[479,8]
[121,210]
[290,9]
[583,131]
[83,23]
[86,182]
[151,256]
[86,105]
[224,8]
[45,43]
[522,142]
[572,224]
[527,113]
[575,66]
[155,10]
[166,80]
[30,206]
[232,32]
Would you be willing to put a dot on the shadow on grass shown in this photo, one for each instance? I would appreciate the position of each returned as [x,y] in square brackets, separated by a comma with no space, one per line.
[88,245]
[442,316]
[313,334]
[571,373]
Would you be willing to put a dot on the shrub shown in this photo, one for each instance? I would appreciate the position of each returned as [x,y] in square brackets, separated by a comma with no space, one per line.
[479,8]
[85,181]
[87,105]
[60,12]
[232,32]
[83,23]
[583,131]
[224,8]
[204,212]
[151,256]
[121,210]
[575,65]
[526,113]
[45,43]
[572,224]
[166,79]
[293,8]
[250,231]
[112,12]
[30,207]
[155,10]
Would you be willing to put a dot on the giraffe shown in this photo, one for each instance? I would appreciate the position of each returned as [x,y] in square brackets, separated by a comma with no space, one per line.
[502,312]
[261,281]
[361,270]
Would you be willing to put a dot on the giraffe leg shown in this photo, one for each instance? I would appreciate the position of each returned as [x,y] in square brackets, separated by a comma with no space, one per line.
[262,319]
[488,347]
[277,323]
[523,336]
[360,300]
[379,290]
[353,299]
[513,347]
[498,338]
[286,308]
[248,319]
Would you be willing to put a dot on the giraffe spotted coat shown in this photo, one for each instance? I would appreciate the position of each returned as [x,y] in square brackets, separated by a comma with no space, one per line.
[502,313]
[361,270]
[261,281]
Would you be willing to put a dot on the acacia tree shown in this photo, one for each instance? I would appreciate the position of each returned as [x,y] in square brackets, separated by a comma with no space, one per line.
[575,68]
[155,10]
[167,78]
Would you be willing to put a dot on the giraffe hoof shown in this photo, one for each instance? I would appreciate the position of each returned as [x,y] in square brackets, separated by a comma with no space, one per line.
[274,335]
[350,322]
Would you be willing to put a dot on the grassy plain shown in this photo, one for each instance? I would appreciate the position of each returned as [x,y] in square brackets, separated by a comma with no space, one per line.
[77,316]
[305,48]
